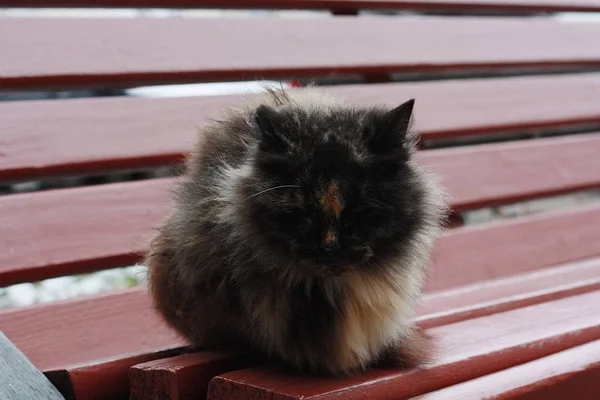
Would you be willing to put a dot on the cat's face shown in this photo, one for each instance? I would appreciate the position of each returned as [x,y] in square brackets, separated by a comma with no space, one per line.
[338,188]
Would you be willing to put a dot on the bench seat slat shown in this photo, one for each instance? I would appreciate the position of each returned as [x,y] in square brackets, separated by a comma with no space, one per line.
[74,350]
[42,138]
[94,328]
[515,291]
[107,378]
[342,5]
[177,376]
[109,224]
[570,374]
[182,377]
[465,350]
[125,51]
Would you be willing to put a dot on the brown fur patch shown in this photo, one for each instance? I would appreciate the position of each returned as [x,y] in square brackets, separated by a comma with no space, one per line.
[331,200]
[331,237]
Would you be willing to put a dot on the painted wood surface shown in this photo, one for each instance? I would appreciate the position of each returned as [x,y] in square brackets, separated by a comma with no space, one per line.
[75,350]
[302,47]
[541,318]
[106,378]
[184,377]
[498,295]
[20,379]
[107,228]
[44,138]
[111,224]
[465,350]
[336,5]
[570,374]
[176,378]
[88,331]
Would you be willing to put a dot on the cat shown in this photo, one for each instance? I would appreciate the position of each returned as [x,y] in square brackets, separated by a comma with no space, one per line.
[301,230]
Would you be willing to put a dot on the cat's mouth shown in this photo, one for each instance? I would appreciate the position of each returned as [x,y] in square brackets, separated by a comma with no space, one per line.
[333,263]
[325,271]
[329,270]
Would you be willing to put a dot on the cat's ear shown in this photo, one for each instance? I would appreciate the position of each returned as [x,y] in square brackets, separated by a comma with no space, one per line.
[269,120]
[389,131]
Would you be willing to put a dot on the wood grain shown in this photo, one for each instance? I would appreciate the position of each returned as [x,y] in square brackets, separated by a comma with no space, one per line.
[464,351]
[301,47]
[570,374]
[44,138]
[183,377]
[335,5]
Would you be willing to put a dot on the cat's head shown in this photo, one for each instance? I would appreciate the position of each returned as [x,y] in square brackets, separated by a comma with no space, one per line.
[337,190]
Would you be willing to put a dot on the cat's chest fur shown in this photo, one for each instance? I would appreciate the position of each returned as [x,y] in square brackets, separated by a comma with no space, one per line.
[375,315]
[344,325]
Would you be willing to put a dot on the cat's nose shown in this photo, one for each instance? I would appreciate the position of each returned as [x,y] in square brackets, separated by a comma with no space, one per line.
[330,241]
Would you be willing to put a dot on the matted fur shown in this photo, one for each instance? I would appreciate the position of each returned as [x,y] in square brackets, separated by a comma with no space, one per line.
[240,263]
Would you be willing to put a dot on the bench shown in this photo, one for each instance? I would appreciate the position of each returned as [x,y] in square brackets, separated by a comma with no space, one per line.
[508,102]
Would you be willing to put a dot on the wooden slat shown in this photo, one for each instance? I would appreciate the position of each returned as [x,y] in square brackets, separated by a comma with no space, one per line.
[41,138]
[78,230]
[531,247]
[82,344]
[68,340]
[498,295]
[570,374]
[79,331]
[486,175]
[176,377]
[465,350]
[336,5]
[109,224]
[107,378]
[182,377]
[302,47]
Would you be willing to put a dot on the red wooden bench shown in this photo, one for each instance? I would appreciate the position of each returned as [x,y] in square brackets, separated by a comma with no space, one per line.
[522,323]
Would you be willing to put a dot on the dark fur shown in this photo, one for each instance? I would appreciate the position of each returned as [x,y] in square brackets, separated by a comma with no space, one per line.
[322,275]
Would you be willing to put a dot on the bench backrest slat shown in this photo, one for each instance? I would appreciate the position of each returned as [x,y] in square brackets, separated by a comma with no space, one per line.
[142,51]
[97,238]
[335,5]
[63,130]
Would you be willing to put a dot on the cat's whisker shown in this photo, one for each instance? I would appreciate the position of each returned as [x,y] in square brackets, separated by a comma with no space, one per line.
[273,188]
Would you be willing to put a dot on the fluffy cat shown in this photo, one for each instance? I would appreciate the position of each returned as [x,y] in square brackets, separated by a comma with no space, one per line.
[301,230]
